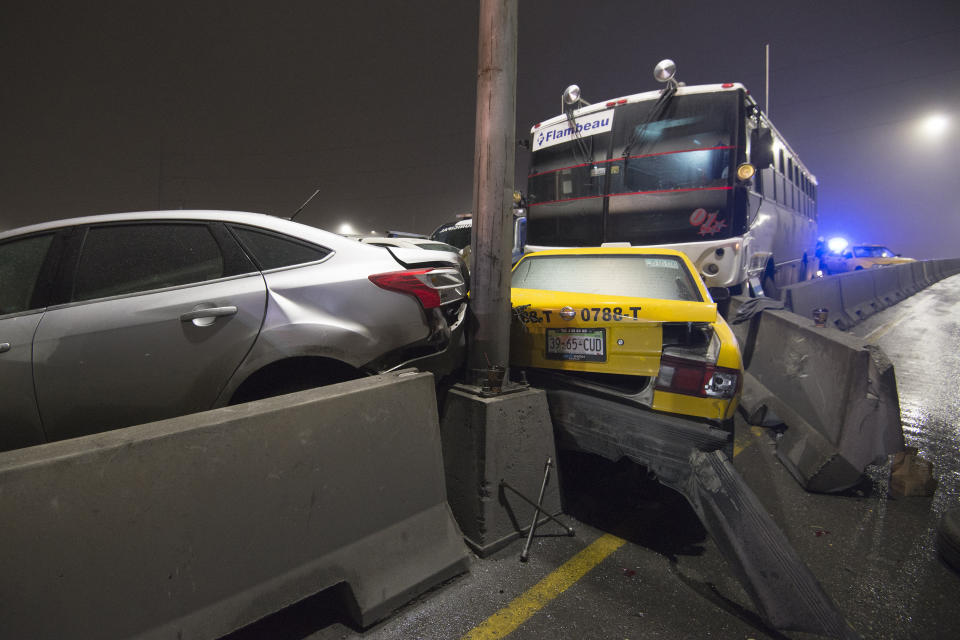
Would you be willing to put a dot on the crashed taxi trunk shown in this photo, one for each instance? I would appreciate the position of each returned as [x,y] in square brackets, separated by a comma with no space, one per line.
[666,349]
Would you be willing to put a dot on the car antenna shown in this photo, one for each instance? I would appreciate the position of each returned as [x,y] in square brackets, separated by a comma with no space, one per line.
[306,202]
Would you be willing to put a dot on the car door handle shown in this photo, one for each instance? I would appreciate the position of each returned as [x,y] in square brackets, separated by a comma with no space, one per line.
[4,347]
[212,312]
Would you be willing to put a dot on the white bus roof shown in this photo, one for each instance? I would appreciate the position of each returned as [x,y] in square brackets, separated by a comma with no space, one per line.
[681,91]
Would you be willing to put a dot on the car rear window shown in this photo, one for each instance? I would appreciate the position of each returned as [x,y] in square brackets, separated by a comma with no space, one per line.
[273,251]
[638,276]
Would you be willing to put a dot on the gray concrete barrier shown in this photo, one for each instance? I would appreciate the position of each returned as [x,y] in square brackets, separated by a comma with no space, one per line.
[836,394]
[196,526]
[853,297]
[821,293]
[907,279]
[921,274]
[859,295]
[886,285]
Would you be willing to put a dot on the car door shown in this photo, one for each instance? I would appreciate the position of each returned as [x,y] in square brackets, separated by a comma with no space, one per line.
[157,317]
[22,265]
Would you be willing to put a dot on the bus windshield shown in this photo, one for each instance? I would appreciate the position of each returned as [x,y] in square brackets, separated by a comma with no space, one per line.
[456,234]
[642,179]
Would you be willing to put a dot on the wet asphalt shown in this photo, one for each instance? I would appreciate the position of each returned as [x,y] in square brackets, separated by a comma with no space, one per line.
[875,555]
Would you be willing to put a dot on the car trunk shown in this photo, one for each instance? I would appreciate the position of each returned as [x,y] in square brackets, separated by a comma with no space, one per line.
[606,334]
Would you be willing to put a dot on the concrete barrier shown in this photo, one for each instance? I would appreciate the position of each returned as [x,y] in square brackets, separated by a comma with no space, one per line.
[853,297]
[886,284]
[907,280]
[921,275]
[836,394]
[821,293]
[196,526]
[859,295]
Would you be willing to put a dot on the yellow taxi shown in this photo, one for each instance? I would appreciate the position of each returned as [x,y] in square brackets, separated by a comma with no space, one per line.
[862,256]
[636,323]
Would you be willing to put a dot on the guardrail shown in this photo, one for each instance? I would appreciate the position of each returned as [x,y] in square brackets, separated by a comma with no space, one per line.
[196,526]
[853,297]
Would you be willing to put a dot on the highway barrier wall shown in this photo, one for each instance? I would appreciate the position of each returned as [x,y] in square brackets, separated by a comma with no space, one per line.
[836,394]
[853,297]
[196,526]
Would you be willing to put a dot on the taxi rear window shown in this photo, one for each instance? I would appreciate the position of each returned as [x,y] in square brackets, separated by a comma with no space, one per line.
[638,276]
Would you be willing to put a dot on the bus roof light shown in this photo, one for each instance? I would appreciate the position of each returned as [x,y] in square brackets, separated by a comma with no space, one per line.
[571,95]
[665,70]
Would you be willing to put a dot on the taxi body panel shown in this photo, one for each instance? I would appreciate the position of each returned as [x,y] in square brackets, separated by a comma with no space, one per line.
[592,332]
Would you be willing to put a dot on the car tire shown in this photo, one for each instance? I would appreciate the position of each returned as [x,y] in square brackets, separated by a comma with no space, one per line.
[948,537]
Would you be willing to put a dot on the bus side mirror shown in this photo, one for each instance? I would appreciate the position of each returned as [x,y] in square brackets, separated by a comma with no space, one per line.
[761,148]
[721,296]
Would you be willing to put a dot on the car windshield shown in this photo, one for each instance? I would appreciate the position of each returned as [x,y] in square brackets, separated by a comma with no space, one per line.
[639,276]
[872,252]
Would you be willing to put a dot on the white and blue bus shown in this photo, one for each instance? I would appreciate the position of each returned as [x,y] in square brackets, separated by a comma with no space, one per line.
[699,169]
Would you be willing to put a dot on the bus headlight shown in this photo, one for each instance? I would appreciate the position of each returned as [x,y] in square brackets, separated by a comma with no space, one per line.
[746,171]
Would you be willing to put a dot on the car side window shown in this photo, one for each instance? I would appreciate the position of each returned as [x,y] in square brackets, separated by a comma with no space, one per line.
[272,251]
[129,258]
[20,262]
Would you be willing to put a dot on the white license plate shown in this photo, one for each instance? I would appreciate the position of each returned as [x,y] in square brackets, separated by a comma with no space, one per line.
[577,344]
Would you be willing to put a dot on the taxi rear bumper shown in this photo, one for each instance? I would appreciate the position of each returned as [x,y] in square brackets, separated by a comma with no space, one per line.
[663,443]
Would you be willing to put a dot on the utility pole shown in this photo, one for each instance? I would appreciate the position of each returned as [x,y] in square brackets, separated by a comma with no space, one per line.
[495,149]
[494,434]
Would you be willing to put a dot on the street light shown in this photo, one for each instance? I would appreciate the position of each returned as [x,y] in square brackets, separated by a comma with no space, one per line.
[935,125]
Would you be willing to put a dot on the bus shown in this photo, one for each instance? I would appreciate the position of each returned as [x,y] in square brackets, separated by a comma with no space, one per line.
[700,169]
[459,232]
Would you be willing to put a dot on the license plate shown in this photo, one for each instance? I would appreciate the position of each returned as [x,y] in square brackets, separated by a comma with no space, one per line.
[577,344]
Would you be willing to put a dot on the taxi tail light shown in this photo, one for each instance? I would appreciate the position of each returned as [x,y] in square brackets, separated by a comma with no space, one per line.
[688,362]
[432,287]
[697,378]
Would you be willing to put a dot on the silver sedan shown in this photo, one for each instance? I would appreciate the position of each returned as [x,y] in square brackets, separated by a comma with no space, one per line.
[115,320]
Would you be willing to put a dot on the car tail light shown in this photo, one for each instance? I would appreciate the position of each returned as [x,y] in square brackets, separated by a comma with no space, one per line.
[697,378]
[688,362]
[432,287]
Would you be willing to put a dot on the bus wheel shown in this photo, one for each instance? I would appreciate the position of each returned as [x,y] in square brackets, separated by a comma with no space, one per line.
[769,285]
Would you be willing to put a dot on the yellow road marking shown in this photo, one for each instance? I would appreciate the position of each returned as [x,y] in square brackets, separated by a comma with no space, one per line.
[536,597]
[740,445]
[880,331]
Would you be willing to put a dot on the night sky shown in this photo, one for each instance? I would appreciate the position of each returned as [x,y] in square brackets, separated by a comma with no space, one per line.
[125,106]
